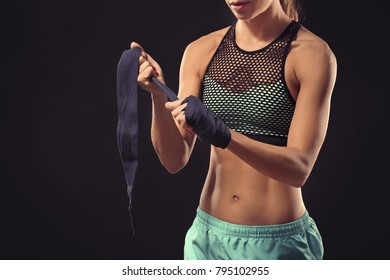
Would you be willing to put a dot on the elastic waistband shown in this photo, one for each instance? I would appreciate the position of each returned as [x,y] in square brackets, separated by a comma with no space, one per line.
[269,231]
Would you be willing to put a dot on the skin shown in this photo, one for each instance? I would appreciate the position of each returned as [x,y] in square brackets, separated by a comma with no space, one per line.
[249,182]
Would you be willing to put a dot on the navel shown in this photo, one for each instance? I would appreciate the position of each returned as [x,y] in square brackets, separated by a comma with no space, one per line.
[235,198]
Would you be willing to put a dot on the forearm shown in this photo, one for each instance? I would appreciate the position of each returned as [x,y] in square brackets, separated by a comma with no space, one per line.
[285,164]
[169,144]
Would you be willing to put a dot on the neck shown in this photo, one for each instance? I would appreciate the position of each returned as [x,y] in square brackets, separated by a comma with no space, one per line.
[263,27]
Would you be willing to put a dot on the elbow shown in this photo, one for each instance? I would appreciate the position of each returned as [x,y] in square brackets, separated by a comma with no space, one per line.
[174,167]
[302,174]
[299,180]
[173,171]
[172,160]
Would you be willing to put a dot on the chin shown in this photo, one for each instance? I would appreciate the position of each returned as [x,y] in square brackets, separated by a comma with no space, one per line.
[242,16]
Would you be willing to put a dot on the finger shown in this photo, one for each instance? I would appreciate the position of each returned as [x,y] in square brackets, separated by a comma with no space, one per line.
[143,56]
[170,106]
[142,59]
[179,110]
[143,53]
[144,66]
[143,62]
[180,118]
[149,58]
[145,75]
[152,62]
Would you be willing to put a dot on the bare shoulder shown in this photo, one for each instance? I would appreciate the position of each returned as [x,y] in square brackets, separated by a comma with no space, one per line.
[199,52]
[207,42]
[196,57]
[312,59]
[309,46]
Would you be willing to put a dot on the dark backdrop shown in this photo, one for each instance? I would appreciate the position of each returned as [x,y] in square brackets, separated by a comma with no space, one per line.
[63,193]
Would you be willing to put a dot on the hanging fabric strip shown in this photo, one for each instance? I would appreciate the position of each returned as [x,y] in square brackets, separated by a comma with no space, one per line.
[127,127]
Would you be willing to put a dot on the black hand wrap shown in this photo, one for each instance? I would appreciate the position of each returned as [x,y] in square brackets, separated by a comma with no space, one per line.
[208,128]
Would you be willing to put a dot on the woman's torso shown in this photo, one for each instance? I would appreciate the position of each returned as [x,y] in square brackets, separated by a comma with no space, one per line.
[233,190]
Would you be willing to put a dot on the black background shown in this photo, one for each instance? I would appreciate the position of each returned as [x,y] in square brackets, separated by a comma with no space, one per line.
[63,193]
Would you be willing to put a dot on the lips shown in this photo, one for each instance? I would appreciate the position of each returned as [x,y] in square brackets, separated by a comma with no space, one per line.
[234,3]
[239,5]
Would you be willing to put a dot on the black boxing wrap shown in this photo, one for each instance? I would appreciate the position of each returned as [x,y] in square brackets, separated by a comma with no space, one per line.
[206,126]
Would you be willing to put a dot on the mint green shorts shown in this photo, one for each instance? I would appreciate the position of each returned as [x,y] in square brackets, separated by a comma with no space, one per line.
[212,239]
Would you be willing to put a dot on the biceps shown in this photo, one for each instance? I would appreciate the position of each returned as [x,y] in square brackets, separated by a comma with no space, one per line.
[310,121]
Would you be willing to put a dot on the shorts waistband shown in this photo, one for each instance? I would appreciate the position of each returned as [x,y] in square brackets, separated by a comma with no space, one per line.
[237,230]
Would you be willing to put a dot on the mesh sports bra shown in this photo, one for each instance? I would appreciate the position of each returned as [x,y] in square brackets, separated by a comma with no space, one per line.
[247,89]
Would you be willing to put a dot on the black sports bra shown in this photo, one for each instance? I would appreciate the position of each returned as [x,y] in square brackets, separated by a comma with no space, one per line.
[247,89]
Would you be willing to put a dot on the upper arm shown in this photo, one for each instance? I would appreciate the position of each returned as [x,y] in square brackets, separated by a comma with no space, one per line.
[189,79]
[315,67]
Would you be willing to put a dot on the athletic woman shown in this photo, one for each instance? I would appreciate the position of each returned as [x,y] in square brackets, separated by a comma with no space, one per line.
[259,92]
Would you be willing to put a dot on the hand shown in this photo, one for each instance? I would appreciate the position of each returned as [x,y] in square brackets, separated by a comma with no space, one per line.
[193,114]
[177,110]
[148,67]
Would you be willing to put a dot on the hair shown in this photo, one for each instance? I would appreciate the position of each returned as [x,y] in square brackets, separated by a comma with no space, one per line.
[292,8]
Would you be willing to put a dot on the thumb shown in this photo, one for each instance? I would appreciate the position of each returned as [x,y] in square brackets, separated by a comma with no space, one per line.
[136,45]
